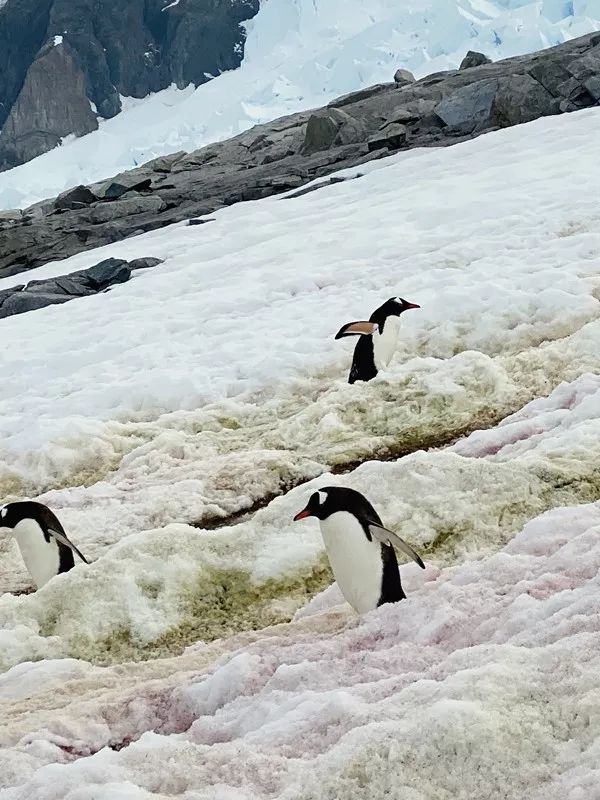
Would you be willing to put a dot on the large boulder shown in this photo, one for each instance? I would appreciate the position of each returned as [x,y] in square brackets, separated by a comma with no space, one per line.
[520,98]
[134,181]
[587,71]
[469,106]
[21,302]
[78,197]
[103,212]
[403,77]
[474,59]
[330,127]
[391,136]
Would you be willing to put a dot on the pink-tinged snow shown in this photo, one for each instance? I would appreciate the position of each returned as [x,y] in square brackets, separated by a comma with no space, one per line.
[300,54]
[483,683]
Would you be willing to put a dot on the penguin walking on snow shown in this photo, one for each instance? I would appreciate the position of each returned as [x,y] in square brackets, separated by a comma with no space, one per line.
[44,545]
[359,548]
[378,337]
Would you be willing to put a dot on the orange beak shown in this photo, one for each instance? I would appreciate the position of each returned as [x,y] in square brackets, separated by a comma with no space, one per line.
[411,305]
[302,514]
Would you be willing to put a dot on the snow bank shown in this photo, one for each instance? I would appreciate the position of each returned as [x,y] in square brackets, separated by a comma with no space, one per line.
[483,683]
[300,54]
[244,309]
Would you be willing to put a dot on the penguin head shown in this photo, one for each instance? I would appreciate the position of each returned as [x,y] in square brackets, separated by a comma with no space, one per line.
[392,308]
[8,517]
[331,499]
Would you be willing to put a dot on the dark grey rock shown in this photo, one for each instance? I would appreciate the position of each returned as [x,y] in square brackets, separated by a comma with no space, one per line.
[361,94]
[199,221]
[78,197]
[144,263]
[587,71]
[123,183]
[51,104]
[165,163]
[20,302]
[474,59]
[391,136]
[7,217]
[107,273]
[329,127]
[6,293]
[470,106]
[103,212]
[73,286]
[403,76]
[321,130]
[520,98]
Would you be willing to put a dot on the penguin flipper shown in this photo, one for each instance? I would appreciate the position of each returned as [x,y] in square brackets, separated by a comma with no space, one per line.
[389,537]
[61,537]
[359,328]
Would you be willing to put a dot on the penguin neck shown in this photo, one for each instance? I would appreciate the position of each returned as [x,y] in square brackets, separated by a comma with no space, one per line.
[42,558]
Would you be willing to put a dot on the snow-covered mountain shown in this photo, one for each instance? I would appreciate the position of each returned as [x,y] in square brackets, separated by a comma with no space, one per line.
[158,421]
[299,54]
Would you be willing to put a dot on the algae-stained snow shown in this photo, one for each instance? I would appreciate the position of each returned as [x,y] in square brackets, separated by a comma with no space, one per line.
[149,415]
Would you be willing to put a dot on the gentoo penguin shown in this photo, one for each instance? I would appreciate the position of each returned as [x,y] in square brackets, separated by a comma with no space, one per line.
[43,543]
[377,341]
[359,548]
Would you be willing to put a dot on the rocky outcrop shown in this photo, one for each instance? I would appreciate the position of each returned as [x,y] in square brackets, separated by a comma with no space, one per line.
[57,57]
[284,155]
[52,104]
[84,282]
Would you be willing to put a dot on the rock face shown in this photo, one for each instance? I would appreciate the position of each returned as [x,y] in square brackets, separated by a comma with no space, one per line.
[33,127]
[84,282]
[284,155]
[58,56]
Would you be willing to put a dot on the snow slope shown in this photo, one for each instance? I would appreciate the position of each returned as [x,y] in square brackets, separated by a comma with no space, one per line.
[300,54]
[148,415]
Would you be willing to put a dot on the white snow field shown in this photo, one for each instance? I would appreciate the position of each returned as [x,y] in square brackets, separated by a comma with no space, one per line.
[300,54]
[197,655]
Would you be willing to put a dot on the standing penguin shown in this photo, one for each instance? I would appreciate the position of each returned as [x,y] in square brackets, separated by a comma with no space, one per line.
[359,548]
[44,545]
[378,337]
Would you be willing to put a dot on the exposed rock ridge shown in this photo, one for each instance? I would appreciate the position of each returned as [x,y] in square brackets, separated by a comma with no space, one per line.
[439,110]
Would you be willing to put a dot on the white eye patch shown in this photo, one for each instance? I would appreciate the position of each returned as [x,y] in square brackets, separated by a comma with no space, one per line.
[3,512]
[322,497]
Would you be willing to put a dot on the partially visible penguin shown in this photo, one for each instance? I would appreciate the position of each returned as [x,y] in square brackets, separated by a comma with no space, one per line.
[378,338]
[44,545]
[359,548]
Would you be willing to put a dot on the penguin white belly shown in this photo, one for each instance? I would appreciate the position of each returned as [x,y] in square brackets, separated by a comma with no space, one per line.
[355,561]
[384,344]
[41,558]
